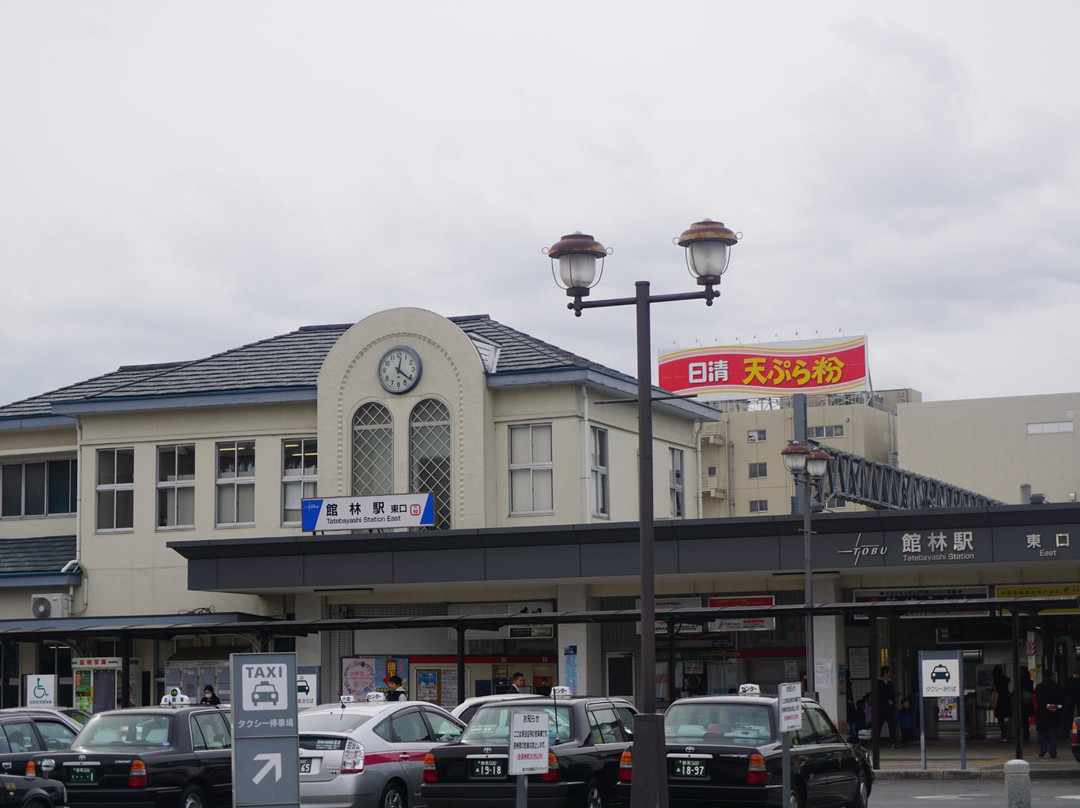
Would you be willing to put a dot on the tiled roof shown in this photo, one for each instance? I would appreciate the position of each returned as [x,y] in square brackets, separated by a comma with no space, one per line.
[288,361]
[48,554]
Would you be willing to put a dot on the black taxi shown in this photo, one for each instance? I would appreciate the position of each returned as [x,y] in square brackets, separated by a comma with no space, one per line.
[586,739]
[727,750]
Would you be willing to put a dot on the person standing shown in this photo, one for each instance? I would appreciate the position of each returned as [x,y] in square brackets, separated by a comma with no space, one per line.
[394,691]
[1049,700]
[1003,702]
[517,683]
[209,696]
[886,704]
[1026,689]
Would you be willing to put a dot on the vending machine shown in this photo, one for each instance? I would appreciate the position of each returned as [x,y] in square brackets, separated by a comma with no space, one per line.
[98,683]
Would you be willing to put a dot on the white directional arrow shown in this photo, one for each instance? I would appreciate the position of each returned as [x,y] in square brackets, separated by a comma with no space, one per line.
[273,761]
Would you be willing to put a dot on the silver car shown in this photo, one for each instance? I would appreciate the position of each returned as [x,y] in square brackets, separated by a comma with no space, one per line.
[369,754]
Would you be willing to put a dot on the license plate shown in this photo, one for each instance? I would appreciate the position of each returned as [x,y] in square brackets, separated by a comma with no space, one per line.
[489,768]
[305,765]
[687,767]
[81,774]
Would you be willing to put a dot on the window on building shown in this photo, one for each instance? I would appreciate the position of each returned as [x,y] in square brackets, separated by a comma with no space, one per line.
[372,451]
[236,483]
[1049,427]
[830,431]
[115,489]
[599,473]
[677,483]
[710,471]
[531,469]
[758,470]
[755,436]
[43,488]
[430,459]
[759,505]
[176,486]
[299,474]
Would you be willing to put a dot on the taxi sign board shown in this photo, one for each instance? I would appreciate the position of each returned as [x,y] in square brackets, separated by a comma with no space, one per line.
[790,706]
[528,743]
[940,677]
[266,748]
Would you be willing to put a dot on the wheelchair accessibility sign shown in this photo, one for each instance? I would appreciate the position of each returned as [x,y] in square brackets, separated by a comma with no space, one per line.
[40,690]
[265,686]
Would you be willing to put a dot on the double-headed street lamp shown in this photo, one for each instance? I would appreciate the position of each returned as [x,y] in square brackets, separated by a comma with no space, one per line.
[574,265]
[809,465]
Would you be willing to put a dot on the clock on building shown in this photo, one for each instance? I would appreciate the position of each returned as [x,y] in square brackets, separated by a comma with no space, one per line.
[400,369]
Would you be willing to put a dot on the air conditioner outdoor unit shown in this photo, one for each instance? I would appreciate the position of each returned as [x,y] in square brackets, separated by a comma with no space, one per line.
[44,607]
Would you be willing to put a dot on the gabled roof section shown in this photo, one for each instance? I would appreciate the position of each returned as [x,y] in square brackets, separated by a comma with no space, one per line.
[287,365]
[519,352]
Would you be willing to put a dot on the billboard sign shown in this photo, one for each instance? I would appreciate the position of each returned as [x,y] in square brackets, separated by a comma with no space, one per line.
[768,369]
[368,513]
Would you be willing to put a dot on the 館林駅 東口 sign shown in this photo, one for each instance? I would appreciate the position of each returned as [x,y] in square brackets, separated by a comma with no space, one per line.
[768,369]
[368,513]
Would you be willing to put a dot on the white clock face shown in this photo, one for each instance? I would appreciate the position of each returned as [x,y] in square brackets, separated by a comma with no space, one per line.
[399,370]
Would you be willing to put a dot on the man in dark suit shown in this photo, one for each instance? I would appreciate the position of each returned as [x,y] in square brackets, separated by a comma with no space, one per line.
[886,705]
[517,683]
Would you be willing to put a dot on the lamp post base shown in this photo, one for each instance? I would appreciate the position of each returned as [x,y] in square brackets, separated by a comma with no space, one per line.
[650,770]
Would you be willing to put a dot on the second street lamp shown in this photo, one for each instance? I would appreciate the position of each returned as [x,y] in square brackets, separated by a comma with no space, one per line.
[807,465]
[707,245]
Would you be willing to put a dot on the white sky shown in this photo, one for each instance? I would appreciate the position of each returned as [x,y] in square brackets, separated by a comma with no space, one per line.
[181,178]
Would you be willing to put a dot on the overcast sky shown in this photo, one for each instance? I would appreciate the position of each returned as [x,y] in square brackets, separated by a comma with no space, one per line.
[181,178]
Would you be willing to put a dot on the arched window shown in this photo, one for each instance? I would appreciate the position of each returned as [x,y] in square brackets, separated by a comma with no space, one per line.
[372,451]
[429,456]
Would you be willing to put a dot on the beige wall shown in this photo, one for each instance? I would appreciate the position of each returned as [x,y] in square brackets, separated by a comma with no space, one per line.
[984,445]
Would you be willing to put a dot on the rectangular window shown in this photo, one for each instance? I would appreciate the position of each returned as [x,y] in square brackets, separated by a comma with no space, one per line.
[677,484]
[531,470]
[831,431]
[1049,428]
[755,436]
[300,473]
[115,489]
[758,470]
[44,488]
[599,471]
[236,483]
[759,505]
[176,486]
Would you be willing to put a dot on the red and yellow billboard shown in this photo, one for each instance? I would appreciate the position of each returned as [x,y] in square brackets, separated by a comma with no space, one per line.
[768,369]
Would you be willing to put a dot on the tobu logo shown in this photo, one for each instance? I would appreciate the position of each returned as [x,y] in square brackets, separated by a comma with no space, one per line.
[859,550]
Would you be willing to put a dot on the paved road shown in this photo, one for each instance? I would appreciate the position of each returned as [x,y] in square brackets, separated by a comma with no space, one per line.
[1054,793]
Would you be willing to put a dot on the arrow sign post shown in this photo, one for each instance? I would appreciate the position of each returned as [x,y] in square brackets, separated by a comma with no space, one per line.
[266,749]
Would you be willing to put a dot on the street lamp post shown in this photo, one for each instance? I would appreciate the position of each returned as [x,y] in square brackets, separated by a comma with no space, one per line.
[574,265]
[807,465]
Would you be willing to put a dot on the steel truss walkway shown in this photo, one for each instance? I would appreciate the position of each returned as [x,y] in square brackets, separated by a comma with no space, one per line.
[858,479]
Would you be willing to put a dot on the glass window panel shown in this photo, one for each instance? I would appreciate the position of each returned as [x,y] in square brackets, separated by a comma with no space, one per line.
[125,509]
[185,462]
[34,489]
[165,507]
[543,499]
[245,504]
[226,505]
[105,510]
[166,464]
[185,507]
[125,466]
[61,486]
[106,467]
[245,459]
[12,490]
[541,444]
[520,444]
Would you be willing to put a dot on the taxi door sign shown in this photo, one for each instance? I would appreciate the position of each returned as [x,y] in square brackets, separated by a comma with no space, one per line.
[528,743]
[790,706]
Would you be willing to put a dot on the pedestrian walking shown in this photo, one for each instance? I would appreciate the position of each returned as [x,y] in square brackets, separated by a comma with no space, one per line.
[1049,700]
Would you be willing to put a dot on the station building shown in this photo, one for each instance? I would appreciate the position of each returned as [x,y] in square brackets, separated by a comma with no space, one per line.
[174,492]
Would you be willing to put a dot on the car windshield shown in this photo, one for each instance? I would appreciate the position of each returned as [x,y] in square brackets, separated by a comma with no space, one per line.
[491,724]
[736,724]
[125,729]
[336,721]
